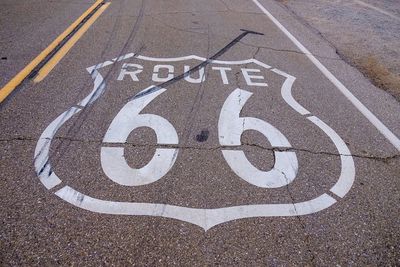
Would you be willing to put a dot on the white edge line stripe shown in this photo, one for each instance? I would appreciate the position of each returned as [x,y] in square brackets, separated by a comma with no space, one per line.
[394,140]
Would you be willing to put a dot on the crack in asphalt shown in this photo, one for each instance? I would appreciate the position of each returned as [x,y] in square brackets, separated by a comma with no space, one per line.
[341,56]
[204,63]
[310,27]
[298,217]
[193,31]
[18,138]
[256,52]
[287,50]
[244,145]
[84,113]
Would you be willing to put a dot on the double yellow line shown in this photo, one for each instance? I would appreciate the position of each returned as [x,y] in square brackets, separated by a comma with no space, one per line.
[44,71]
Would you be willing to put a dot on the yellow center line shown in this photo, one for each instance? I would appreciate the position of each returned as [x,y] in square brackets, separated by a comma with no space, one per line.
[45,70]
[14,82]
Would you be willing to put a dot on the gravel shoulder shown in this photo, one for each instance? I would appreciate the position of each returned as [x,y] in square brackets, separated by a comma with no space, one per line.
[364,33]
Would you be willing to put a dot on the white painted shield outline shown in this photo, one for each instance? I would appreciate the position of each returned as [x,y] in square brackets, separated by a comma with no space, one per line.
[205,218]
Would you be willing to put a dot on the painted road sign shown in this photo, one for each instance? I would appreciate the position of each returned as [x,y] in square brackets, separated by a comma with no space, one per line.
[231,126]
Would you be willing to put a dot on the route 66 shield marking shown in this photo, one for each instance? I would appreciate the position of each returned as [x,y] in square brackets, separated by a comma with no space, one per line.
[230,129]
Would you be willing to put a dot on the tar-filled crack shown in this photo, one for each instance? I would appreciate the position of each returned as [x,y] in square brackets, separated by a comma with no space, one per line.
[86,109]
[278,149]
[211,148]
[199,66]
[84,112]
[194,31]
[18,138]
[257,51]
[287,50]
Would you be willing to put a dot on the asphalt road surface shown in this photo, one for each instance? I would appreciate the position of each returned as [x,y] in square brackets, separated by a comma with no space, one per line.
[191,132]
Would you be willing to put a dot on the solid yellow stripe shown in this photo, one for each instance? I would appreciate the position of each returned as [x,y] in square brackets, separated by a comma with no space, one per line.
[14,82]
[45,70]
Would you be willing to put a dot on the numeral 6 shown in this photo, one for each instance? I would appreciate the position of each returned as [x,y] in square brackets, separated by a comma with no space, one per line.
[230,129]
[127,120]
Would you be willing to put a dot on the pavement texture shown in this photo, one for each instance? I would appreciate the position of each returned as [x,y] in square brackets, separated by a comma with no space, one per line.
[40,228]
[28,27]
[365,34]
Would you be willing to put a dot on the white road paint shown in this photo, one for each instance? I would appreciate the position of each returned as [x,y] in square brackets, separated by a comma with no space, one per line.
[393,139]
[202,76]
[347,174]
[282,174]
[205,218]
[223,71]
[117,169]
[130,69]
[133,71]
[222,62]
[346,179]
[231,127]
[127,120]
[98,88]
[175,59]
[156,74]
[42,162]
[384,12]
[287,93]
[249,76]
